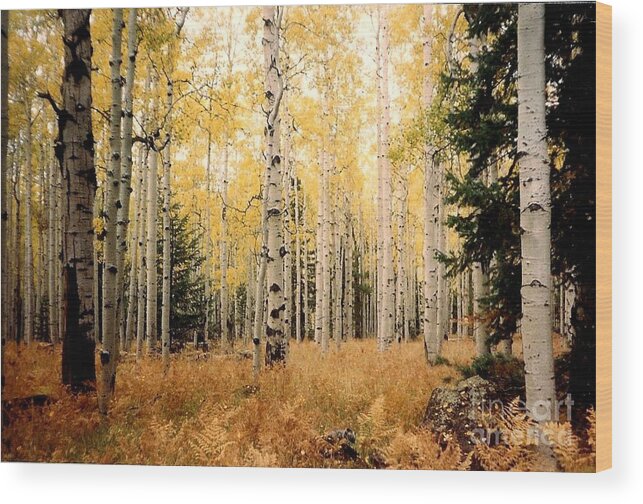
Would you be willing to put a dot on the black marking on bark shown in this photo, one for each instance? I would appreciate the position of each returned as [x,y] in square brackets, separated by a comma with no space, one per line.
[275,288]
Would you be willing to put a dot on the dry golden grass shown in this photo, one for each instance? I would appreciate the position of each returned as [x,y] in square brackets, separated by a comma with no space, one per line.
[206,412]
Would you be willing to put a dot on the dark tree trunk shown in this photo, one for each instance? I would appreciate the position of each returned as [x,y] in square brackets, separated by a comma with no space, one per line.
[75,153]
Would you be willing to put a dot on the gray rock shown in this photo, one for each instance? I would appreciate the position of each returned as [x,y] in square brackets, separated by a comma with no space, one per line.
[455,412]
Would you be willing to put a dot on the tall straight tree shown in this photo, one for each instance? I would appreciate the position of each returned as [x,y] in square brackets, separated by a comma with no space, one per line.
[109,353]
[125,188]
[430,205]
[28,311]
[535,214]
[386,328]
[151,252]
[276,341]
[75,153]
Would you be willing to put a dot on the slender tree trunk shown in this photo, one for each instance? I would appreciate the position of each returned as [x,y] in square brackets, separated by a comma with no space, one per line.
[298,289]
[325,260]
[150,254]
[386,331]
[135,258]
[126,174]
[276,341]
[109,352]
[431,195]
[535,214]
[141,246]
[76,157]
[225,332]
[319,254]
[28,265]
[208,244]
[167,243]
[52,265]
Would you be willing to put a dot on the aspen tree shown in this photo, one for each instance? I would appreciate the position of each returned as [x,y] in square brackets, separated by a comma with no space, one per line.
[388,286]
[535,214]
[125,188]
[109,352]
[150,254]
[431,195]
[28,327]
[76,156]
[298,289]
[319,236]
[225,333]
[135,263]
[276,341]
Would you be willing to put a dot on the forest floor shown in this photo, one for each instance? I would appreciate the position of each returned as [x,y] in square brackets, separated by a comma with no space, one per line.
[208,411]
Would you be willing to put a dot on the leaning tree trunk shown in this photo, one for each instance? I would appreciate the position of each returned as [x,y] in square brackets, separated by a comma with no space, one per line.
[535,214]
[276,341]
[109,352]
[75,153]
[431,195]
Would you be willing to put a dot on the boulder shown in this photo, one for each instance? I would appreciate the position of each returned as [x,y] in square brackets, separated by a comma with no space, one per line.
[456,412]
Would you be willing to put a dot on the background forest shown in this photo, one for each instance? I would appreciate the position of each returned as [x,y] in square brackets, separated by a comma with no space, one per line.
[271,236]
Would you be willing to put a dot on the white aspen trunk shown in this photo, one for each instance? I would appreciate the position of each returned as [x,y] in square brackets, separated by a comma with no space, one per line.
[307,318]
[142,254]
[167,244]
[250,288]
[76,157]
[51,255]
[319,254]
[208,244]
[431,195]
[349,331]
[388,277]
[276,341]
[126,175]
[223,248]
[135,259]
[150,254]
[337,289]
[480,291]
[379,261]
[298,310]
[443,291]
[535,214]
[325,260]
[109,352]
[260,285]
[28,326]
[287,183]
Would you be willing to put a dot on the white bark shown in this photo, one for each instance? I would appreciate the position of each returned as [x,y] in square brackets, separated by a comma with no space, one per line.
[276,341]
[386,331]
[431,195]
[28,327]
[225,316]
[535,214]
[126,174]
[167,244]
[150,254]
